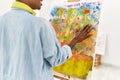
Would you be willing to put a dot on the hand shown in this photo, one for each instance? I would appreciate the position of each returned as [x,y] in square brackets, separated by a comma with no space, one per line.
[84,33]
[81,35]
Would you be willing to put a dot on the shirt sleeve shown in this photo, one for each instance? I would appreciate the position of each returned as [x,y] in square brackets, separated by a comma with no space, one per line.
[52,51]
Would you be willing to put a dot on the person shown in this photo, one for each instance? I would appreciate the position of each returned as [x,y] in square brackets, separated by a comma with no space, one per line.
[28,44]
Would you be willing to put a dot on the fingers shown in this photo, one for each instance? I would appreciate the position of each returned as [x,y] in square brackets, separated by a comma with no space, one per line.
[84,33]
[77,32]
[85,37]
[87,28]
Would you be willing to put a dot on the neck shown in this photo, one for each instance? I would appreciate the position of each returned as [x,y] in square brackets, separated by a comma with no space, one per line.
[23,6]
[25,1]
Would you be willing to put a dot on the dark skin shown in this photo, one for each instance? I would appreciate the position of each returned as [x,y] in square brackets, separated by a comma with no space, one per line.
[79,37]
[34,4]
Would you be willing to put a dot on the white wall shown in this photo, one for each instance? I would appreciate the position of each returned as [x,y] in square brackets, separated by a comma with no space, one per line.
[45,9]
[5,6]
[110,25]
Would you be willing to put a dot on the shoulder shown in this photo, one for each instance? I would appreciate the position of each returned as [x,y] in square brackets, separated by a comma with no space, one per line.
[46,25]
[43,22]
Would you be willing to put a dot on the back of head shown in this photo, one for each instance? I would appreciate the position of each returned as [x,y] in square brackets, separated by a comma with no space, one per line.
[34,4]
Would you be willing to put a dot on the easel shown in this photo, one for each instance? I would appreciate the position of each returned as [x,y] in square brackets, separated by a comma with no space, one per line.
[59,77]
[73,0]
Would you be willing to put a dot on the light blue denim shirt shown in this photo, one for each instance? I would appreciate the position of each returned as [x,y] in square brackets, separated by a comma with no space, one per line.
[28,47]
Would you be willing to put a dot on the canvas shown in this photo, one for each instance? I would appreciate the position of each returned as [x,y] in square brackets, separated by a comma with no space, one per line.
[69,17]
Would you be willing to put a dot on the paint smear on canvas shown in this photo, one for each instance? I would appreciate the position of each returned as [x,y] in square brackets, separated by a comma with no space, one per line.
[67,20]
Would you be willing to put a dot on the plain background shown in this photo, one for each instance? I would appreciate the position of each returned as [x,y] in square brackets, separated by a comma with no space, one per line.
[110,25]
[5,6]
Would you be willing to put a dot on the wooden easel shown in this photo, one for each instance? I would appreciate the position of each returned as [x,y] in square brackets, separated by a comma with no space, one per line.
[61,78]
[73,0]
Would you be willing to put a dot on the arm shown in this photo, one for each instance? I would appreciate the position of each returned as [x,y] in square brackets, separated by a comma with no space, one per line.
[53,53]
